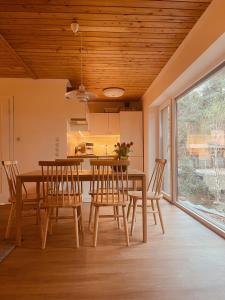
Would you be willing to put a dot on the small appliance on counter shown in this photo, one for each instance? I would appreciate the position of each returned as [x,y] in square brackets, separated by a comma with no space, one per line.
[84,149]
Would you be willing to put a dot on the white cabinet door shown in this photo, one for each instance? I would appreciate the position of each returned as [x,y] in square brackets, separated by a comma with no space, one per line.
[136,162]
[98,123]
[104,123]
[114,123]
[131,129]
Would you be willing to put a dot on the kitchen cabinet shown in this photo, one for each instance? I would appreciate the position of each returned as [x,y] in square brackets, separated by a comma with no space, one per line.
[136,162]
[131,129]
[98,123]
[104,123]
[114,123]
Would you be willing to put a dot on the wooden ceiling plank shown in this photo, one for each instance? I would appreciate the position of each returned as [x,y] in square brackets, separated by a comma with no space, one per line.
[181,4]
[102,10]
[138,49]
[15,33]
[17,58]
[149,30]
[86,41]
[34,16]
[97,23]
[63,46]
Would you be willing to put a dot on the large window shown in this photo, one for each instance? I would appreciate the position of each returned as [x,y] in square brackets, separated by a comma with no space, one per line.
[200,142]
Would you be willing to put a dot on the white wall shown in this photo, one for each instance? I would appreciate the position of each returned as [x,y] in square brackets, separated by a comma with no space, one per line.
[40,116]
[202,49]
[151,140]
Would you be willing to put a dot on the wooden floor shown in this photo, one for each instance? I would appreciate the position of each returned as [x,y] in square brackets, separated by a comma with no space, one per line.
[188,262]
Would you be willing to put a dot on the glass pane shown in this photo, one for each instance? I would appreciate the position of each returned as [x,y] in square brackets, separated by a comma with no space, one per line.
[165,146]
[201,148]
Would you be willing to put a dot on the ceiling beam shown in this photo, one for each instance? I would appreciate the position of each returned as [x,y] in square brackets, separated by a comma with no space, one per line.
[18,59]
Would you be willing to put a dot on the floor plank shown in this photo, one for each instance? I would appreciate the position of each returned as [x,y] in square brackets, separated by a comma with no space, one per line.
[185,263]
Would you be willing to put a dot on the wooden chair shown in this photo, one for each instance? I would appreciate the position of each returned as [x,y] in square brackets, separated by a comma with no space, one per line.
[80,160]
[108,189]
[30,201]
[61,189]
[91,211]
[154,194]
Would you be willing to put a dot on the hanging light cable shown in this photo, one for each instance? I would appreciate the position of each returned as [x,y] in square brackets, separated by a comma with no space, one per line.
[81,58]
[80,94]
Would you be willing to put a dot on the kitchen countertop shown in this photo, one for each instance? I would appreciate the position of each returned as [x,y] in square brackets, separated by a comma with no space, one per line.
[90,156]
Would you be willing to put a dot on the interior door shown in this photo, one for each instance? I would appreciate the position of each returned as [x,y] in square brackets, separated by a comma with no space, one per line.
[165,146]
[6,140]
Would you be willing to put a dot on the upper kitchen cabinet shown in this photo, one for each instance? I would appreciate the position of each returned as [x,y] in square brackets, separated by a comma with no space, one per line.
[98,123]
[131,129]
[104,123]
[114,123]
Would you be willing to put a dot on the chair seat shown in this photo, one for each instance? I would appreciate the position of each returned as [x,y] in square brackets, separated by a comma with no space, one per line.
[60,202]
[103,200]
[28,199]
[103,191]
[138,195]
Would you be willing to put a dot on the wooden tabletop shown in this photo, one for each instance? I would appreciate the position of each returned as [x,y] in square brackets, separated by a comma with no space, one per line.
[84,175]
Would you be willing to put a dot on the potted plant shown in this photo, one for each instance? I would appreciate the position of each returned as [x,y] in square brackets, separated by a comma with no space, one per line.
[122,151]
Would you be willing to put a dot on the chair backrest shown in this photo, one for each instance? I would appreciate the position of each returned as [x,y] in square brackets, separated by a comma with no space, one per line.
[80,160]
[11,171]
[60,181]
[156,180]
[110,180]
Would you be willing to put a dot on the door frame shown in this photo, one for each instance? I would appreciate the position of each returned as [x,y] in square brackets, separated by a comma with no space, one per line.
[6,140]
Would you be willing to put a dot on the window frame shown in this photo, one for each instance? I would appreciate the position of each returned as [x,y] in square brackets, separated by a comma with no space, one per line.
[174,164]
[168,104]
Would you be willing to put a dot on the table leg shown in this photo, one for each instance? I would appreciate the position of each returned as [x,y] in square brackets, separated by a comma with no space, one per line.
[144,210]
[38,213]
[38,189]
[18,211]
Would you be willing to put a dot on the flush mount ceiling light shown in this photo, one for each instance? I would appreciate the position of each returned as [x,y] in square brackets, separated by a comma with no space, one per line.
[113,92]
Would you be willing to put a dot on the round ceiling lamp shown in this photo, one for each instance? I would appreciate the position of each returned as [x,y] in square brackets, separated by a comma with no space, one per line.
[113,92]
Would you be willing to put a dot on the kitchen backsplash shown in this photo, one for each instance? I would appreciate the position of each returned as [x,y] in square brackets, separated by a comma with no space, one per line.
[102,144]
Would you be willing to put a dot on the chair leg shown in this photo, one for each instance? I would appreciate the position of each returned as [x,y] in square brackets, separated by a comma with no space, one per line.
[10,221]
[42,220]
[154,214]
[90,216]
[160,216]
[125,225]
[38,214]
[114,212]
[81,226]
[76,227]
[96,226]
[133,216]
[56,214]
[50,230]
[117,217]
[129,208]
[45,228]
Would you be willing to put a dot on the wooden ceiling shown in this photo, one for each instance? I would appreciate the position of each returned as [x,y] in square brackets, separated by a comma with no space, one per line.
[125,42]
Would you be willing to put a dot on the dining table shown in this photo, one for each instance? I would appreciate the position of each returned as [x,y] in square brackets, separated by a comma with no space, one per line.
[84,175]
